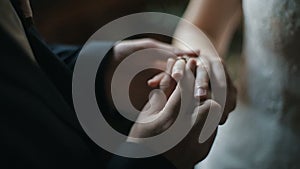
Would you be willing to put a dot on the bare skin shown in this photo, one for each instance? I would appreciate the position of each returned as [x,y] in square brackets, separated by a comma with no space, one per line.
[189,151]
[167,112]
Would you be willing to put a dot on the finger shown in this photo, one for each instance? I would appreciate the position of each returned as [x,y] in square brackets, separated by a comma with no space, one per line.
[154,82]
[201,83]
[201,112]
[184,89]
[188,81]
[219,73]
[157,101]
[172,106]
[178,69]
[225,83]
[167,83]
[207,118]
[231,101]
[192,64]
[170,64]
[216,69]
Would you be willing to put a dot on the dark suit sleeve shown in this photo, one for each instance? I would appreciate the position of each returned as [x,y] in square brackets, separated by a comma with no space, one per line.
[66,53]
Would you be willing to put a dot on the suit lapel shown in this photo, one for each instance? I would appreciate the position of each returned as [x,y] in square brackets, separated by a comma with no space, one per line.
[19,64]
[11,24]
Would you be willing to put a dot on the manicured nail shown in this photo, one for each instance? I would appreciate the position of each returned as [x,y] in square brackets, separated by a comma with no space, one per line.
[151,83]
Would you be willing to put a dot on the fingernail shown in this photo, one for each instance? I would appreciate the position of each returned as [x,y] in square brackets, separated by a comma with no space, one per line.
[151,83]
[177,75]
[200,92]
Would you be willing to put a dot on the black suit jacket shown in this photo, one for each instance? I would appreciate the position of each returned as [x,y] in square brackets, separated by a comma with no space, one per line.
[38,126]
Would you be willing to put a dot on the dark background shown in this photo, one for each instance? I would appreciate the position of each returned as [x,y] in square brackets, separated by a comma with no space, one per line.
[74,21]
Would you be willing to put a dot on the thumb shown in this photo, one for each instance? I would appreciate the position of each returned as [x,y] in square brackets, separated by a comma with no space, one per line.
[207,120]
[172,107]
[157,101]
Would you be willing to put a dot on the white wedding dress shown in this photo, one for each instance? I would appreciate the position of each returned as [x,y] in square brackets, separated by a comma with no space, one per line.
[264,132]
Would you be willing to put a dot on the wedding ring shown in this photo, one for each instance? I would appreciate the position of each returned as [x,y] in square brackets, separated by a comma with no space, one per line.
[184,58]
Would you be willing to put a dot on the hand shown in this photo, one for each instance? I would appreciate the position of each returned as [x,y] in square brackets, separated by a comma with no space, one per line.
[206,66]
[189,151]
[128,47]
[211,66]
[125,48]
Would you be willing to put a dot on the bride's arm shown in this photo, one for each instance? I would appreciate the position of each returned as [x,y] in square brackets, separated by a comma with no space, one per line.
[218,19]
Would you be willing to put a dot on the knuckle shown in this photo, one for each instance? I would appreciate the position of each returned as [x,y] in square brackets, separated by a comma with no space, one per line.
[211,102]
[201,84]
[206,105]
[165,81]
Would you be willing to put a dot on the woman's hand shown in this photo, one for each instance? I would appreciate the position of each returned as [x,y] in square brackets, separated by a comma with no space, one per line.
[214,68]
[206,67]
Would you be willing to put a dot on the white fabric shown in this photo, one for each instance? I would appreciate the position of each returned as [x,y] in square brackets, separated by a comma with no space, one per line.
[265,133]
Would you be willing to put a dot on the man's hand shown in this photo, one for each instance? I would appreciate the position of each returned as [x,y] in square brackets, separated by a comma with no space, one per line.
[163,113]
[124,49]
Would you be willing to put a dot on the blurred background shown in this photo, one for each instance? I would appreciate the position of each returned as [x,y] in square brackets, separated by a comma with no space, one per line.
[74,21]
